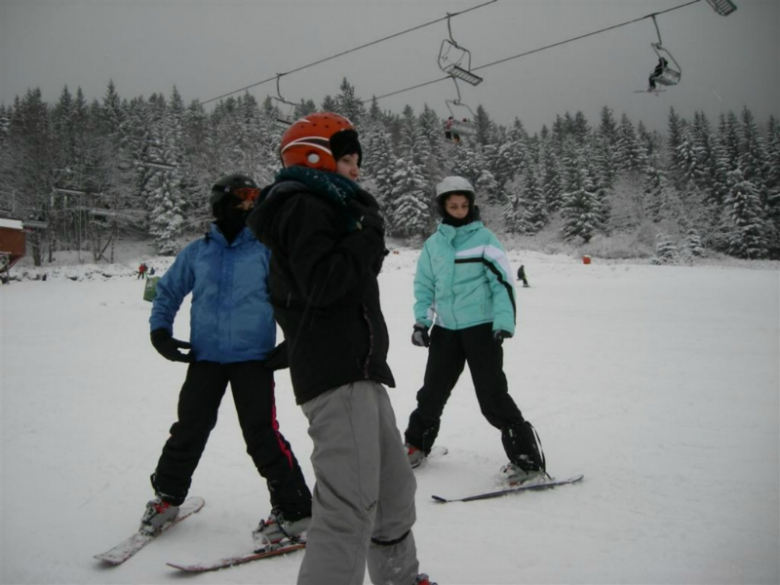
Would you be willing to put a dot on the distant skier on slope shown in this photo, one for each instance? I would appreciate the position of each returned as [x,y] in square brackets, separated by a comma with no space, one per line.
[522,277]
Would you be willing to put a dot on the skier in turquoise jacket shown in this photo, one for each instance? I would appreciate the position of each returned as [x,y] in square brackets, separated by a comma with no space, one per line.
[465,295]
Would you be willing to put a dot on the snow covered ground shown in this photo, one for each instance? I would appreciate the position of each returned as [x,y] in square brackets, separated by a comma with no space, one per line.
[660,384]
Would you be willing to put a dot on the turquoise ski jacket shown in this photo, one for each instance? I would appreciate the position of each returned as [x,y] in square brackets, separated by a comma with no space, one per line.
[231,319]
[464,279]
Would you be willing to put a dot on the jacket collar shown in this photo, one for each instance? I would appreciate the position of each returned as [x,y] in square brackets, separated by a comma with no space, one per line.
[451,232]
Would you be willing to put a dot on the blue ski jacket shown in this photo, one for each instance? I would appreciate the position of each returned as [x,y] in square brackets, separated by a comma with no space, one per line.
[231,319]
[464,279]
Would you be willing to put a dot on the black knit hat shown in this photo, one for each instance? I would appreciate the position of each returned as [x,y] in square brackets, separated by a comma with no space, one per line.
[346,142]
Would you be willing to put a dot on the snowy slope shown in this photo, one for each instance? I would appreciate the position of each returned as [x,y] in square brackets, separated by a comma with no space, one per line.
[659,383]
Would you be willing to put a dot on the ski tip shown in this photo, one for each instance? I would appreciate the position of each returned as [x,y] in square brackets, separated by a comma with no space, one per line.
[440,500]
[196,502]
[177,566]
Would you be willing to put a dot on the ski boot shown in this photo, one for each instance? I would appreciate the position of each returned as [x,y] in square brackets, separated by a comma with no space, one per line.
[416,456]
[526,458]
[276,530]
[524,471]
[158,512]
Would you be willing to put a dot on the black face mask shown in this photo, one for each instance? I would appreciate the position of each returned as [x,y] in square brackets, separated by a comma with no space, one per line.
[447,219]
[455,222]
[231,219]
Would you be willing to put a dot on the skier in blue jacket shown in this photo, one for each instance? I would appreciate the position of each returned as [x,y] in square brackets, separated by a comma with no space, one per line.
[465,296]
[232,335]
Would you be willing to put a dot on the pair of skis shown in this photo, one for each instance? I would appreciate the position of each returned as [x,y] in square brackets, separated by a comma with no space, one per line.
[129,547]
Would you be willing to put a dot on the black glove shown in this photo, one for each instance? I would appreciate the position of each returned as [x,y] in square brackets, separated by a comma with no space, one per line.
[277,358]
[367,217]
[420,337]
[500,335]
[168,347]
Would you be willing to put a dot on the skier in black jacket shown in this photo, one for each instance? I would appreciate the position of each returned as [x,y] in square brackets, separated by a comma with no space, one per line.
[326,237]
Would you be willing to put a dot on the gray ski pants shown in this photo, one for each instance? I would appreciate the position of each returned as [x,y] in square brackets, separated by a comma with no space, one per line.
[363,505]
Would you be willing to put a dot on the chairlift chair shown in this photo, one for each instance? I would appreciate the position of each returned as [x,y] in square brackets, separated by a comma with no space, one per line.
[460,127]
[670,75]
[722,7]
[452,66]
[286,115]
[463,128]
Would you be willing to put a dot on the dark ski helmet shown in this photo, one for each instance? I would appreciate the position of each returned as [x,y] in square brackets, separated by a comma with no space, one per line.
[240,187]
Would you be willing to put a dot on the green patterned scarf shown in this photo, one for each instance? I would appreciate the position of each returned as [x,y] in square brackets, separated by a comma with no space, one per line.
[331,186]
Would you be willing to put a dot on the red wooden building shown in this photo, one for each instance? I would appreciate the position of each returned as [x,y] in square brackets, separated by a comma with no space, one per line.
[12,244]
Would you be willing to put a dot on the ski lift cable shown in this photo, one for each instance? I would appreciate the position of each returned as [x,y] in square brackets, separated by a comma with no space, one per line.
[337,55]
[525,54]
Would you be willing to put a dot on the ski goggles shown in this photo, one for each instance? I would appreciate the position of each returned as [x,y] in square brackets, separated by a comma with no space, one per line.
[246,193]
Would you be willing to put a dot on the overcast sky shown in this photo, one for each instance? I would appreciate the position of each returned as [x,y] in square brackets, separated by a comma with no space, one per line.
[208,48]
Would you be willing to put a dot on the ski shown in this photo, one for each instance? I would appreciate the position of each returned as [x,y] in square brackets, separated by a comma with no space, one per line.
[551,483]
[269,551]
[127,548]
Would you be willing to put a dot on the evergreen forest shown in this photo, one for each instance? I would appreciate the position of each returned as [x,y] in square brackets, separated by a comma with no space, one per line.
[85,175]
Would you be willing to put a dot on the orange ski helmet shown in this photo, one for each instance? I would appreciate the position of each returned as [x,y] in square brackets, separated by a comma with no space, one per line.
[309,141]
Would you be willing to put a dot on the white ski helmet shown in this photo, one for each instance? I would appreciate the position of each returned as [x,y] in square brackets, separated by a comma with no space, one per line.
[454,184]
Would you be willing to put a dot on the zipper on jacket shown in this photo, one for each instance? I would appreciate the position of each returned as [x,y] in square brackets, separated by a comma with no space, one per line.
[370,342]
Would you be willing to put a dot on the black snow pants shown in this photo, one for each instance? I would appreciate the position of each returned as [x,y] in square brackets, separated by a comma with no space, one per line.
[253,395]
[447,355]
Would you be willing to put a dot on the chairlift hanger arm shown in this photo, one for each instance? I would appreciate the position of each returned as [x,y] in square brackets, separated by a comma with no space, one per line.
[457,90]
[449,29]
[279,91]
[657,30]
[286,118]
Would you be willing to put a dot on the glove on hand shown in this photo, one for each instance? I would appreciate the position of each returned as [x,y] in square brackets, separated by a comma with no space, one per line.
[420,337]
[277,358]
[500,335]
[168,347]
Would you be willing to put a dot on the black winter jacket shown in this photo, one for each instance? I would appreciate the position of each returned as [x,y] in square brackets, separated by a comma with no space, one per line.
[324,290]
